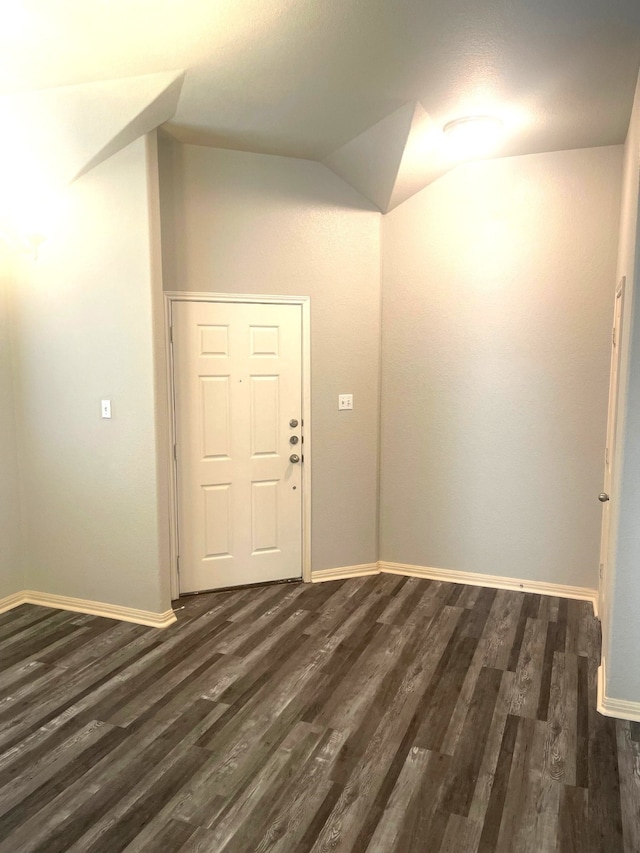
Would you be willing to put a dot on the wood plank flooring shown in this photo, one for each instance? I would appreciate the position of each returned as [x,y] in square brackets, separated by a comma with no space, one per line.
[377,714]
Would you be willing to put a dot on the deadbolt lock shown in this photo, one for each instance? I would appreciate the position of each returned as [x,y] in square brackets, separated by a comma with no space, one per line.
[294,439]
[293,423]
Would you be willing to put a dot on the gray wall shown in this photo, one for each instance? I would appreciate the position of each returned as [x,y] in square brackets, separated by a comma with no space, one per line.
[621,625]
[249,223]
[498,288]
[84,333]
[498,284]
[11,574]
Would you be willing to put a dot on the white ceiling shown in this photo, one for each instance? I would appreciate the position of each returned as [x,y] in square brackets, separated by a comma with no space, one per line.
[303,77]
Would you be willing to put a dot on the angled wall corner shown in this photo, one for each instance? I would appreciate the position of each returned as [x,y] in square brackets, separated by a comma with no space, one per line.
[371,161]
[393,159]
[51,136]
[424,158]
[137,105]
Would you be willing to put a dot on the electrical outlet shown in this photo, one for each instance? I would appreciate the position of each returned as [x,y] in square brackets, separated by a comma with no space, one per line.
[345,401]
[106,408]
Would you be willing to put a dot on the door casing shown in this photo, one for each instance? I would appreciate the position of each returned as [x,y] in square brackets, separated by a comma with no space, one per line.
[176,296]
[610,450]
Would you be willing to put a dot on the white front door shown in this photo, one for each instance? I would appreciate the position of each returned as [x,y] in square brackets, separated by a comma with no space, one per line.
[238,412]
[611,436]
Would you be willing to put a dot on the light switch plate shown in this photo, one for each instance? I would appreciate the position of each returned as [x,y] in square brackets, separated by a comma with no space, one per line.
[106,408]
[345,401]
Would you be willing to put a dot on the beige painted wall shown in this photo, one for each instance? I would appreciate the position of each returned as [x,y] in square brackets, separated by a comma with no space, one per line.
[11,574]
[250,223]
[498,285]
[84,333]
[621,625]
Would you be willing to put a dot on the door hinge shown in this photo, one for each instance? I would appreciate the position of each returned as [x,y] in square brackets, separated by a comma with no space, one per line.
[613,336]
[171,334]
[606,456]
[178,563]
[601,571]
[175,453]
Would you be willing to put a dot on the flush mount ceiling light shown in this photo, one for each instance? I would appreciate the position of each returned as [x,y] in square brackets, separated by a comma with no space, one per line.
[473,136]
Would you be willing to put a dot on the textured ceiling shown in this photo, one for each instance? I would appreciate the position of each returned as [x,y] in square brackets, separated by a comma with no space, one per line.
[303,77]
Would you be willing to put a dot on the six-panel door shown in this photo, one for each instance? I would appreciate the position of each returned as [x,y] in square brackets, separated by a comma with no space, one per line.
[238,382]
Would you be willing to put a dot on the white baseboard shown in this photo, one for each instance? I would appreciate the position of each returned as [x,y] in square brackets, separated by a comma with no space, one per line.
[93,608]
[494,581]
[11,601]
[619,708]
[345,572]
[452,576]
[163,620]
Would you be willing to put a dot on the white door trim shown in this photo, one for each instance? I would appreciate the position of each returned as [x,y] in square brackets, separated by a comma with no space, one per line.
[610,442]
[176,296]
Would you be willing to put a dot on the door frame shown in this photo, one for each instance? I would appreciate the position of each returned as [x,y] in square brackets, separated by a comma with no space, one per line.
[604,569]
[240,298]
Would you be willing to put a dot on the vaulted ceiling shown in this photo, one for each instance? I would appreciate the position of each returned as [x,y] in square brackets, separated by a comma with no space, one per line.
[304,77]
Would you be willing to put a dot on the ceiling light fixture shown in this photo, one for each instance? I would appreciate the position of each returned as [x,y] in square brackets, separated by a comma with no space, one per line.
[473,136]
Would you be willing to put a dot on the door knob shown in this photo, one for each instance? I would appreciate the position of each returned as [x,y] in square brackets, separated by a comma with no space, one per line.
[294,458]
[603,497]
[294,439]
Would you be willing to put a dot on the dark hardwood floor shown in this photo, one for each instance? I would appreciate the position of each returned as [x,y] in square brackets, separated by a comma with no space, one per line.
[376,714]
